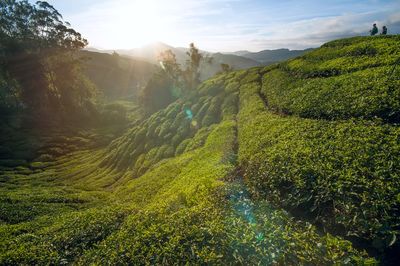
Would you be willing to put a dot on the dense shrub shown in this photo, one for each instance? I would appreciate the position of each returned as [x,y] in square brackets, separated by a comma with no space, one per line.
[338,173]
[345,56]
[368,94]
[113,113]
[173,190]
[343,79]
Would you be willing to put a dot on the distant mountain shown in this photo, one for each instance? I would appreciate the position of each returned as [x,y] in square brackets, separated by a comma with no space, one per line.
[239,53]
[267,57]
[116,76]
[151,53]
[235,61]
[92,49]
[238,60]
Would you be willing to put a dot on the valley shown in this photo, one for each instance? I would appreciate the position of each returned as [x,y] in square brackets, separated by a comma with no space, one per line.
[294,163]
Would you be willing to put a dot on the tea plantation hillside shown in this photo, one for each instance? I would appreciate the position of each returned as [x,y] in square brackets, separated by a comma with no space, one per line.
[292,164]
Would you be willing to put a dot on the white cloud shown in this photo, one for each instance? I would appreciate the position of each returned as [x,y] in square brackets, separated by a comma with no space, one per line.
[127,24]
[314,32]
[222,25]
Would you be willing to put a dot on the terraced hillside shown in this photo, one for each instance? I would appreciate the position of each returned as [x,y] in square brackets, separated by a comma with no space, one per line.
[295,163]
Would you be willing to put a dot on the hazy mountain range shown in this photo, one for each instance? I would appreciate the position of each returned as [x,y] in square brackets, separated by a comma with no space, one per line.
[117,76]
[267,57]
[237,60]
[122,76]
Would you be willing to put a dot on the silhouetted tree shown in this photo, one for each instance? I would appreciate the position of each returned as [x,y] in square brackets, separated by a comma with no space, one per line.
[171,82]
[115,55]
[225,68]
[165,85]
[170,66]
[192,72]
[374,30]
[157,93]
[38,51]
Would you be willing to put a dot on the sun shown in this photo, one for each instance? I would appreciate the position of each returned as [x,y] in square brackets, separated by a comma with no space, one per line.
[140,22]
[127,24]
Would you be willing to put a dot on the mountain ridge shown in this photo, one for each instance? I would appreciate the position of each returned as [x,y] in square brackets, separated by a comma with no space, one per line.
[276,55]
[151,52]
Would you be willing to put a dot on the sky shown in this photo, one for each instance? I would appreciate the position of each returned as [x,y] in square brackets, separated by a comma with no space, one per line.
[225,25]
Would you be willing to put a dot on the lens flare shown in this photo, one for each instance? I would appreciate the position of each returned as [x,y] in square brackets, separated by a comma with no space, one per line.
[189,114]
[162,65]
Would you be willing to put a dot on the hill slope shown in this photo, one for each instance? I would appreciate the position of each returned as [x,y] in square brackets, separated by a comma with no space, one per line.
[267,57]
[151,53]
[116,76]
[255,166]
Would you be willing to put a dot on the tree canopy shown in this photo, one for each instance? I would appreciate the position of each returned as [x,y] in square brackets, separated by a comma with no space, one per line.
[171,81]
[38,62]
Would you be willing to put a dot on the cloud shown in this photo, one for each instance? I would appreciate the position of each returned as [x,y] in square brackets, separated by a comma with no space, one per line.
[314,32]
[252,30]
[227,25]
[131,23]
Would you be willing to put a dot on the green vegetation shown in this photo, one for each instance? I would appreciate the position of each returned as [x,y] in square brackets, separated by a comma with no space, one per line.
[292,164]
[115,76]
[341,174]
[39,70]
[343,79]
[171,82]
[181,208]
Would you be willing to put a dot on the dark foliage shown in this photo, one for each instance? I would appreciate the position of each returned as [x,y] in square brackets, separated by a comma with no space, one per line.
[39,70]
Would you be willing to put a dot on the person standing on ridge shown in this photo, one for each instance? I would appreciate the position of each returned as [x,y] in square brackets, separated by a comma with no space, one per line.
[384,30]
[374,30]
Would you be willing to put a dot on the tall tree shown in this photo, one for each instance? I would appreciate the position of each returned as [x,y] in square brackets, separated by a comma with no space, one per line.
[192,72]
[170,66]
[225,68]
[165,85]
[38,51]
[171,82]
[158,93]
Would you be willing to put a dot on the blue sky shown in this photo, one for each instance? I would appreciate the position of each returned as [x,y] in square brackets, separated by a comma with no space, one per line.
[225,25]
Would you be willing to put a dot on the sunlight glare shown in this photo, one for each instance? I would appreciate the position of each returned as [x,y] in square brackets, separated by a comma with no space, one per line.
[140,23]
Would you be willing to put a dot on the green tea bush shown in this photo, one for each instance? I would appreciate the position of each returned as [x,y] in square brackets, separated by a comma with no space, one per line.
[199,139]
[199,183]
[61,242]
[12,163]
[342,173]
[366,94]
[252,75]
[230,106]
[343,79]
[345,56]
[182,146]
